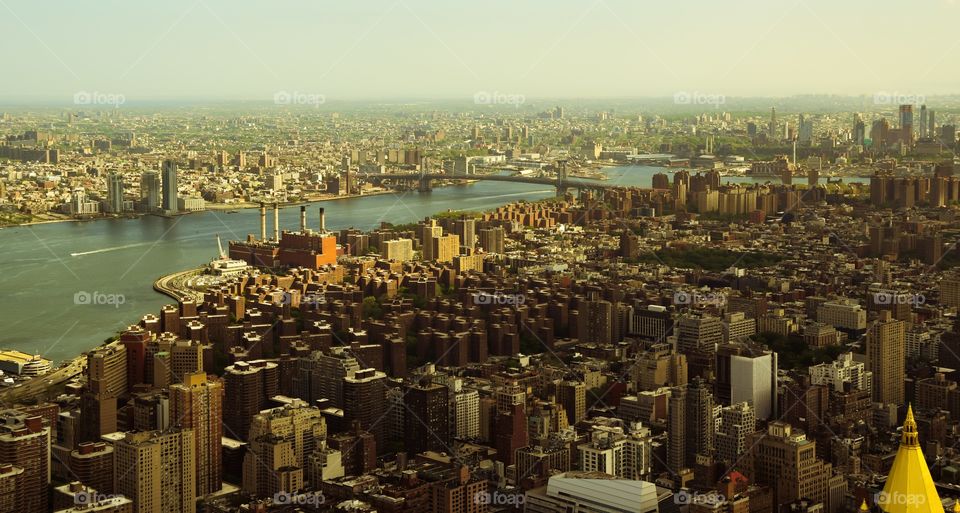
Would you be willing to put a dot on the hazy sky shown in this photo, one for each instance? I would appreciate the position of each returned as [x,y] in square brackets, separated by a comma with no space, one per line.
[368,49]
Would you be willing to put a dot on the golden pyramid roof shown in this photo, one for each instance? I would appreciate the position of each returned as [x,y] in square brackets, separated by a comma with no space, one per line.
[909,487]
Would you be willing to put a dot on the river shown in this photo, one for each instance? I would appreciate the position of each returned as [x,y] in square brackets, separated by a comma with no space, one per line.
[68,286]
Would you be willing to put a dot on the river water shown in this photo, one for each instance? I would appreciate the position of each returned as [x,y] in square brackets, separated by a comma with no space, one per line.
[65,287]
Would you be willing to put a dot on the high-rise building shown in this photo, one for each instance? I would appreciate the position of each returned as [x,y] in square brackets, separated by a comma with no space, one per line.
[25,445]
[427,419]
[400,250]
[358,450]
[150,194]
[754,380]
[805,130]
[859,130]
[950,290]
[617,451]
[844,314]
[281,439]
[320,376]
[595,321]
[572,395]
[98,414]
[364,401]
[924,122]
[108,366]
[737,423]
[91,463]
[772,125]
[247,386]
[274,181]
[169,172]
[466,229]
[114,193]
[691,425]
[737,326]
[838,373]
[156,471]
[442,248]
[699,332]
[491,239]
[465,407]
[197,404]
[658,366]
[948,135]
[886,356]
[906,124]
[785,460]
[651,322]
[11,487]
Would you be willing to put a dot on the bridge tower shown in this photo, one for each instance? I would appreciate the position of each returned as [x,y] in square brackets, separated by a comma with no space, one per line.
[425,185]
[561,178]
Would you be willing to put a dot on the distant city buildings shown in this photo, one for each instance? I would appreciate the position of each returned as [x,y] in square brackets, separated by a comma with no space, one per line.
[700,344]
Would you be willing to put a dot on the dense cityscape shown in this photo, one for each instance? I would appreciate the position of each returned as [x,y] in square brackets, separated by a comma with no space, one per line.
[684,303]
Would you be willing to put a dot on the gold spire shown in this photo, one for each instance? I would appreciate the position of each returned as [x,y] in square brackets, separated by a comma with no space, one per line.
[956,506]
[909,436]
[863,506]
[910,487]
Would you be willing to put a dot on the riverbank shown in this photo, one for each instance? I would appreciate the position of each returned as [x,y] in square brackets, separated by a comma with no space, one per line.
[43,221]
[216,207]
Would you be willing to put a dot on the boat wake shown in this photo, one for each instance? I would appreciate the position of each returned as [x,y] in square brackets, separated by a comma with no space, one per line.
[140,244]
[107,250]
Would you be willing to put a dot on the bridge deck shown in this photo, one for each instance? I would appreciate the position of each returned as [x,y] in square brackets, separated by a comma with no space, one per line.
[576,184]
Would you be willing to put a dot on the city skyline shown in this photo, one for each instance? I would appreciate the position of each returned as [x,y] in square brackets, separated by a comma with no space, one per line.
[534,257]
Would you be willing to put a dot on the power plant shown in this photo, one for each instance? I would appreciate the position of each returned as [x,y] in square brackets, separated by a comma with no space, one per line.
[301,248]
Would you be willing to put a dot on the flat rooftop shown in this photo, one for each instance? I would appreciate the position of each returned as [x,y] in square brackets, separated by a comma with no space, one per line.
[18,356]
